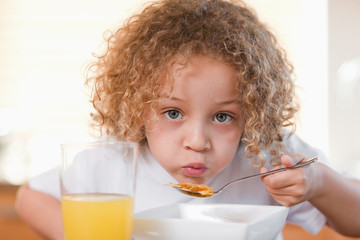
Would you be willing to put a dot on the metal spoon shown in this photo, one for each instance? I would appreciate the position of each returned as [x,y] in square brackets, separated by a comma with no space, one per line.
[201,194]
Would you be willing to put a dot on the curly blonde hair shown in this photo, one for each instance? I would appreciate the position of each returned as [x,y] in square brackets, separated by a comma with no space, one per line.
[126,77]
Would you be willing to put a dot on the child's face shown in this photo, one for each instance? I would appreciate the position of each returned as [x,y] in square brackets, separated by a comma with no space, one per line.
[196,130]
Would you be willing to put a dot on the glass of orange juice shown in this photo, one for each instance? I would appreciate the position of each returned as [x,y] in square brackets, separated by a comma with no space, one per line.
[97,187]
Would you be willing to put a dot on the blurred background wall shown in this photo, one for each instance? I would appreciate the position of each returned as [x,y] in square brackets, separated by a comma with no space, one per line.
[344,82]
[45,45]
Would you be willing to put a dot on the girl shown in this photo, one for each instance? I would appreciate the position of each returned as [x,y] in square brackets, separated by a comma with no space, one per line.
[208,94]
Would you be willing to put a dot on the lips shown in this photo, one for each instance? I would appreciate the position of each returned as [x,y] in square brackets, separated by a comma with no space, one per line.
[195,169]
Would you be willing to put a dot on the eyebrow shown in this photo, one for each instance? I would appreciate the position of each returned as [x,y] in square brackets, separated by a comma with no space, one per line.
[231,101]
[236,101]
[169,97]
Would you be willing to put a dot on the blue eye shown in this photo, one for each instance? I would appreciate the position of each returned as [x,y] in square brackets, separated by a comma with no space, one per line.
[222,118]
[173,114]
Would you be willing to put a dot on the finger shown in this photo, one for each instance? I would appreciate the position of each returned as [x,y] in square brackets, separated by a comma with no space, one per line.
[289,160]
[285,179]
[293,190]
[286,201]
[274,182]
[264,170]
[290,197]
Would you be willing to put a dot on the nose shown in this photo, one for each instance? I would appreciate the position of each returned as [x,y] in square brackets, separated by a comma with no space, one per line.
[197,137]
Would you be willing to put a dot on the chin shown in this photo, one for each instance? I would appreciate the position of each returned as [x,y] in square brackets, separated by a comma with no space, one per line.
[194,180]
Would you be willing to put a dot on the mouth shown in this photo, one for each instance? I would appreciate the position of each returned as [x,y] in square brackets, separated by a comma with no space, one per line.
[195,169]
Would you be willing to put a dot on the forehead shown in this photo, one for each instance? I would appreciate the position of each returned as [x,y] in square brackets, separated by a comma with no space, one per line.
[197,64]
[198,74]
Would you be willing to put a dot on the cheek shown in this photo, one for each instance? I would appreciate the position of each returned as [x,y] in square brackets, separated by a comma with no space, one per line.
[157,128]
[157,135]
[229,135]
[227,150]
[153,139]
[158,142]
[151,132]
[227,143]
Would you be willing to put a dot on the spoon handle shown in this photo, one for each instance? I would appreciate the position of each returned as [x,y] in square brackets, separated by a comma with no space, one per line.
[301,164]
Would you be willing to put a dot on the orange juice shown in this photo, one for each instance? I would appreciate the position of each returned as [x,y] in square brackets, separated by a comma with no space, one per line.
[97,216]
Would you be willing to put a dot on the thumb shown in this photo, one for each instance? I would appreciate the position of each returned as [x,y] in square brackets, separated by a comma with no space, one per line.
[263,170]
[290,160]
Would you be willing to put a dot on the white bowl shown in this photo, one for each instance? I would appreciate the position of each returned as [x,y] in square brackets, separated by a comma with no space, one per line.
[210,222]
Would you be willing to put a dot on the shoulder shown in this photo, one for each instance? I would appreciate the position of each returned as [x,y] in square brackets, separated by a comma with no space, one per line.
[47,182]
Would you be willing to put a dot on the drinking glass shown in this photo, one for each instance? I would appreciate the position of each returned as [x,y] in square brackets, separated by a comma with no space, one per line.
[97,188]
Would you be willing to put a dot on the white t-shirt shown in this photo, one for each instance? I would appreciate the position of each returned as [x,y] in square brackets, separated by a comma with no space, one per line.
[151,192]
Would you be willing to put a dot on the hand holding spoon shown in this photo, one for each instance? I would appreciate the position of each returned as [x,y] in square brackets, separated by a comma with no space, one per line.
[202,191]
